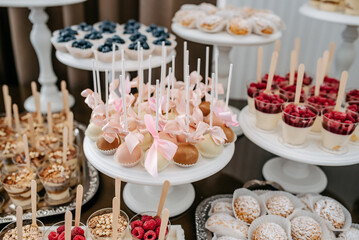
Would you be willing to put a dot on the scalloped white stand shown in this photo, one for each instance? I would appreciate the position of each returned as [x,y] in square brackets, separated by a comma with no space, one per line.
[345,54]
[295,169]
[40,38]
[142,191]
[224,42]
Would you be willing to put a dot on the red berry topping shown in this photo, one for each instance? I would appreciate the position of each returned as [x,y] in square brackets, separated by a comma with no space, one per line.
[339,122]
[77,231]
[150,235]
[332,82]
[326,91]
[268,103]
[53,236]
[137,223]
[301,116]
[352,95]
[289,92]
[277,79]
[60,229]
[149,225]
[78,237]
[254,88]
[157,231]
[145,218]
[62,236]
[138,232]
[158,221]
[354,107]
[320,103]
[307,80]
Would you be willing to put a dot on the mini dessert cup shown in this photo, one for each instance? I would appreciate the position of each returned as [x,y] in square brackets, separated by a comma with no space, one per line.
[61,46]
[55,156]
[143,217]
[319,103]
[8,150]
[37,158]
[353,109]
[289,92]
[337,127]
[107,56]
[99,224]
[47,142]
[35,233]
[252,89]
[52,231]
[6,133]
[133,54]
[169,48]
[352,95]
[56,179]
[297,121]
[17,184]
[307,80]
[268,110]
[80,51]
[326,91]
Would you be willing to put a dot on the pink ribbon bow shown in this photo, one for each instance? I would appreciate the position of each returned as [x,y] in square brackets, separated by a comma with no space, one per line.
[89,96]
[166,148]
[132,140]
[216,132]
[110,133]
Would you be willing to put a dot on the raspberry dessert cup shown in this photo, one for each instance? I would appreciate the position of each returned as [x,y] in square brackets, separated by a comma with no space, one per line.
[289,92]
[352,95]
[57,231]
[353,109]
[325,91]
[146,225]
[337,127]
[319,103]
[28,230]
[307,80]
[268,109]
[333,82]
[99,224]
[252,89]
[297,121]
[278,81]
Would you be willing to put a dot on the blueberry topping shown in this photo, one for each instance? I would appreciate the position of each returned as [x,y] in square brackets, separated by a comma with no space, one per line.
[138,36]
[115,39]
[106,48]
[160,40]
[65,37]
[131,26]
[133,45]
[85,27]
[107,29]
[93,35]
[107,23]
[151,28]
[82,44]
[130,31]
[68,30]
[160,32]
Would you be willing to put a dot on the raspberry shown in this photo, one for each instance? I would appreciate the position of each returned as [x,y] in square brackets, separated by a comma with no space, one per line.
[138,232]
[331,82]
[62,236]
[149,225]
[78,237]
[158,231]
[77,231]
[268,103]
[352,95]
[158,221]
[255,88]
[289,92]
[53,236]
[145,218]
[299,116]
[60,229]
[137,223]
[150,235]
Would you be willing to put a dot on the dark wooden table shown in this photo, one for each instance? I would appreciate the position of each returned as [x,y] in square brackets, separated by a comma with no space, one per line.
[246,165]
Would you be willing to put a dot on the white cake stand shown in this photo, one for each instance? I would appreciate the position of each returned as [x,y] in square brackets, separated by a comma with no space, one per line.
[224,42]
[142,191]
[130,65]
[40,38]
[345,55]
[295,169]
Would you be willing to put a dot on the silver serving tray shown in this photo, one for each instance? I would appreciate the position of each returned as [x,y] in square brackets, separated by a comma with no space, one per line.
[89,179]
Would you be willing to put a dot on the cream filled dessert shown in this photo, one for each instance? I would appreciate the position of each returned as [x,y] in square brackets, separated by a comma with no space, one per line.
[208,147]
[352,95]
[269,231]
[18,185]
[280,205]
[319,103]
[252,89]
[29,232]
[353,110]
[297,121]
[56,156]
[56,179]
[336,129]
[289,92]
[100,226]
[268,110]
[36,158]
[47,142]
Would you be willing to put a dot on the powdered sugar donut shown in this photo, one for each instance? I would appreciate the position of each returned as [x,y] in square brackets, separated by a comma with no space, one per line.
[211,23]
[262,26]
[273,18]
[247,208]
[305,227]
[239,26]
[224,224]
[269,231]
[330,211]
[280,205]
[222,206]
[190,20]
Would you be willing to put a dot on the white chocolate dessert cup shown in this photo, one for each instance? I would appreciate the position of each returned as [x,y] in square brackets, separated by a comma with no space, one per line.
[333,141]
[267,121]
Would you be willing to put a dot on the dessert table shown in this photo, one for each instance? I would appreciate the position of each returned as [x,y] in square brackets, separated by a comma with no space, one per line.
[40,38]
[345,54]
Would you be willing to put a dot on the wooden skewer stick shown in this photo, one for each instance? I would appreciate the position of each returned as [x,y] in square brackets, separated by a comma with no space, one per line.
[33,88]
[71,129]
[296,48]
[67,107]
[32,131]
[298,90]
[17,119]
[68,224]
[272,67]
[49,118]
[164,223]
[65,143]
[259,64]
[343,83]
[277,46]
[33,201]
[8,108]
[165,187]
[118,189]
[26,149]
[325,63]
[38,107]
[292,67]
[19,222]
[115,214]
[318,77]
[5,93]
[79,196]
[331,54]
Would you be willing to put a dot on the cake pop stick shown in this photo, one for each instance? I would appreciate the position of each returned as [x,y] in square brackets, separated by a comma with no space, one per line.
[140,90]
[115,213]
[259,64]
[173,85]
[149,77]
[79,195]
[19,222]
[17,119]
[292,67]
[68,224]
[216,71]
[165,188]
[118,189]
[331,54]
[163,62]
[343,83]
[272,67]
[187,103]
[106,95]
[138,58]
[123,63]
[229,84]
[317,77]
[198,74]
[94,81]
[98,77]
[157,102]
[164,223]
[185,63]
[113,63]
[8,103]
[206,67]
[173,64]
[212,96]
[123,96]
[32,131]
[33,201]
[298,89]
[26,150]
[64,143]
[71,129]
[49,118]
[325,63]
[168,92]
[277,46]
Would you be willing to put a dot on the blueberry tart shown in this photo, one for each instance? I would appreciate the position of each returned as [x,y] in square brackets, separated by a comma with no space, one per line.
[80,48]
[104,52]
[94,37]
[115,39]
[169,44]
[131,50]
[61,41]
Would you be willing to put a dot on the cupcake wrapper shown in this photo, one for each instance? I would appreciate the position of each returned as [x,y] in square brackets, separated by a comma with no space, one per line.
[107,57]
[219,28]
[306,198]
[79,53]
[107,152]
[188,165]
[129,165]
[234,140]
[228,200]
[158,49]
[206,155]
[284,223]
[245,192]
[347,216]
[60,46]
[132,54]
[216,237]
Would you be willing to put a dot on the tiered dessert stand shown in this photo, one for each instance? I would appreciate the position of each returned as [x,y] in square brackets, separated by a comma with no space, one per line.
[345,55]
[40,38]
[142,191]
[295,169]
[224,42]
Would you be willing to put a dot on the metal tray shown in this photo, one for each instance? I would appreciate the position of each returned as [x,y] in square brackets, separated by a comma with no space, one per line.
[89,179]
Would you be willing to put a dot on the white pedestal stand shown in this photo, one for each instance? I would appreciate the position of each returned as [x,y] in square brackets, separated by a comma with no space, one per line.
[224,42]
[295,169]
[345,54]
[142,191]
[40,38]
